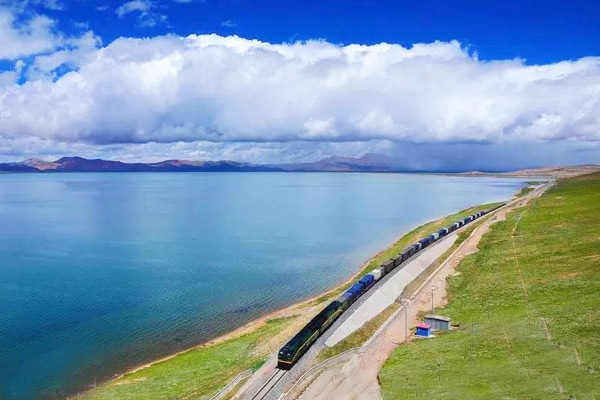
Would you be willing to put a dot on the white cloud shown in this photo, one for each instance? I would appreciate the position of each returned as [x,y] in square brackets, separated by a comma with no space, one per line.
[81,25]
[55,5]
[228,24]
[22,38]
[316,128]
[23,34]
[133,6]
[147,15]
[208,88]
[72,55]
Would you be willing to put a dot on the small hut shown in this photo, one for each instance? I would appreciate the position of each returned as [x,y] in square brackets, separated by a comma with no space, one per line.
[438,322]
[423,330]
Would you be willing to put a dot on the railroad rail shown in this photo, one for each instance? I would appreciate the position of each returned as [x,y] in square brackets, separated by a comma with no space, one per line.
[266,388]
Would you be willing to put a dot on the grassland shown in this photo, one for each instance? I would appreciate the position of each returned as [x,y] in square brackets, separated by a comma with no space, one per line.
[528,306]
[524,191]
[200,373]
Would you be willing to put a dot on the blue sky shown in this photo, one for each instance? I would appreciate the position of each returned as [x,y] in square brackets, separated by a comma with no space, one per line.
[500,74]
[539,31]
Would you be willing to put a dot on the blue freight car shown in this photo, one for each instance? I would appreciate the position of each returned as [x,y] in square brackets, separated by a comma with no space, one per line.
[367,281]
[356,290]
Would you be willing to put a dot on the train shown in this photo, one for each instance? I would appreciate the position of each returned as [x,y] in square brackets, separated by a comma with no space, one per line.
[298,345]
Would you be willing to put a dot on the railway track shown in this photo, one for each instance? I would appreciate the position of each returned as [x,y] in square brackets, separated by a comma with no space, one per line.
[269,385]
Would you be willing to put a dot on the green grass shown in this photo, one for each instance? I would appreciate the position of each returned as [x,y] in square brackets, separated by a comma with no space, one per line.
[528,305]
[361,335]
[196,374]
[524,191]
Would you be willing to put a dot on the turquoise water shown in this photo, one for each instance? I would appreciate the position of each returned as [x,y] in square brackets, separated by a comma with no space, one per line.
[101,272]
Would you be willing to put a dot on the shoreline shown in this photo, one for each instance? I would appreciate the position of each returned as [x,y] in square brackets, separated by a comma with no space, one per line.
[259,321]
[295,309]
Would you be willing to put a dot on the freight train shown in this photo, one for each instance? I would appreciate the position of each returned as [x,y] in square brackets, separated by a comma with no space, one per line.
[301,342]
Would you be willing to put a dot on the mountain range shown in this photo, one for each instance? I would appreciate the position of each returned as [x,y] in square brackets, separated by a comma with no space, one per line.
[370,162]
[366,163]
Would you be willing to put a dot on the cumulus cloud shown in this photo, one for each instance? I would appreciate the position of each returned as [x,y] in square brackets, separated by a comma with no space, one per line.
[214,89]
[19,38]
[24,34]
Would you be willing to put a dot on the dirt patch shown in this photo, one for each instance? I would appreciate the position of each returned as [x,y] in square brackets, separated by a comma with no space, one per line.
[129,381]
[569,275]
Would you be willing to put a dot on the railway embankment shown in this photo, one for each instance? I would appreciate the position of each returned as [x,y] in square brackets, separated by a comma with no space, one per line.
[527,309]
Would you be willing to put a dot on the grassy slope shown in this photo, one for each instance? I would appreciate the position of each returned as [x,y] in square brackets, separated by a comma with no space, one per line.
[201,372]
[529,308]
[524,191]
[361,335]
[196,374]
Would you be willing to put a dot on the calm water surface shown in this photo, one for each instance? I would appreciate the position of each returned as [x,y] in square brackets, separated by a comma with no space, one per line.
[100,272]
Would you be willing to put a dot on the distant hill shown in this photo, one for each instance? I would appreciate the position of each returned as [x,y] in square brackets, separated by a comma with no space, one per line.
[80,164]
[370,162]
[558,171]
[367,163]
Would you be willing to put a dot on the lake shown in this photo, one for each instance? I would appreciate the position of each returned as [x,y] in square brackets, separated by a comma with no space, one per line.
[100,272]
